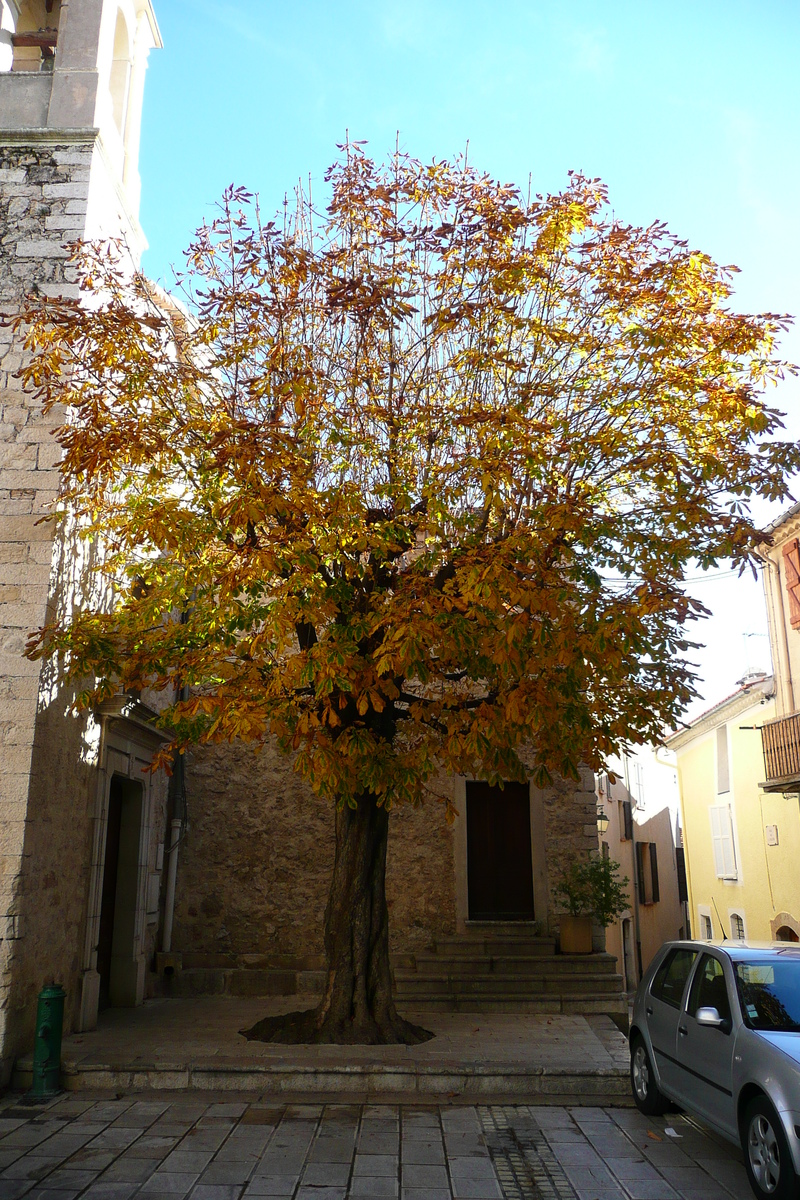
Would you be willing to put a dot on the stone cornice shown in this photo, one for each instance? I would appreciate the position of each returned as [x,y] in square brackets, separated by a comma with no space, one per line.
[133,718]
[51,137]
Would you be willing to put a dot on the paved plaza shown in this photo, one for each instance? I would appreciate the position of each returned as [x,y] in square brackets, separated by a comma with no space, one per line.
[175,1146]
[482,1058]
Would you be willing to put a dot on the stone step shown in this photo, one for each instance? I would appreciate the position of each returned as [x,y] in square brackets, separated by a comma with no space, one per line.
[493,945]
[208,981]
[410,987]
[562,966]
[542,1005]
[511,929]
[292,1079]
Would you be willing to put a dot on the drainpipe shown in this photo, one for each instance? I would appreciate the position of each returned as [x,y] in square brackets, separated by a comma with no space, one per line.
[178,807]
[635,871]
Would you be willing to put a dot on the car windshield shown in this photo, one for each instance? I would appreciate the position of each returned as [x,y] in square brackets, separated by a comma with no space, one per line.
[769,993]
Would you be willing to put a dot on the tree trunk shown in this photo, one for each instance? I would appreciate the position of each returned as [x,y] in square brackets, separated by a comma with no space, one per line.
[358,1006]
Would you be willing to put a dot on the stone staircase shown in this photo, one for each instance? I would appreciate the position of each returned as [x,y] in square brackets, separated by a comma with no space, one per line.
[494,967]
[497,968]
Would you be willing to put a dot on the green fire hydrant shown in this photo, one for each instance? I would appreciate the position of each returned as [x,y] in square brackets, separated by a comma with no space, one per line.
[47,1047]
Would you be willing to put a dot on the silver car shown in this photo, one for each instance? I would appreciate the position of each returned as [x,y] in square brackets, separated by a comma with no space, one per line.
[716,1030]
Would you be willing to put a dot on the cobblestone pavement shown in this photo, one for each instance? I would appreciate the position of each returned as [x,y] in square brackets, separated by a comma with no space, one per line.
[193,1146]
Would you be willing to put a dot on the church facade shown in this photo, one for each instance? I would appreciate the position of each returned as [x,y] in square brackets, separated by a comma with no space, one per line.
[113,883]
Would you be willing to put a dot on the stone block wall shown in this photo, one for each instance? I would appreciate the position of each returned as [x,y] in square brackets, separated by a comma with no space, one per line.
[43,759]
[570,820]
[255,865]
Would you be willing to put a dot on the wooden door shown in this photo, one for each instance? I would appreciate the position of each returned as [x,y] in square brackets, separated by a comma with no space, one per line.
[499,868]
[109,895]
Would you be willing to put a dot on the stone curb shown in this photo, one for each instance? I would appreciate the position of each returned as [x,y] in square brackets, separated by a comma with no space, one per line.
[352,1082]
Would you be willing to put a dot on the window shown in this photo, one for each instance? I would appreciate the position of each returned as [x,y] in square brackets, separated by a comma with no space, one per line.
[722,837]
[627,821]
[723,768]
[769,993]
[638,784]
[737,927]
[791,570]
[641,871]
[683,886]
[647,872]
[654,873]
[706,928]
[670,978]
[709,989]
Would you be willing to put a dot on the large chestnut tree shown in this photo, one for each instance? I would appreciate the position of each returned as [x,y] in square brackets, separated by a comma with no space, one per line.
[409,485]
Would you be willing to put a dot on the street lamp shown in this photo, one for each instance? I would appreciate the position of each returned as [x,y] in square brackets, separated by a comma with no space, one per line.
[602,820]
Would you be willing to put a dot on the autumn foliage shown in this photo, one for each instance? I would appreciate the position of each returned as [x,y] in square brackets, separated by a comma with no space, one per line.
[411,483]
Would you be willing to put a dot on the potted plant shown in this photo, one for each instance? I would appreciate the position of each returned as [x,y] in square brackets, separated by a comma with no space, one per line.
[592,892]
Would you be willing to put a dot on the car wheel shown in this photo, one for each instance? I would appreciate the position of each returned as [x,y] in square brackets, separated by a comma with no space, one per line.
[766,1154]
[649,1099]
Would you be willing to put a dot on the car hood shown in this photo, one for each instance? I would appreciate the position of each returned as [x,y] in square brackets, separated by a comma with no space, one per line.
[787,1043]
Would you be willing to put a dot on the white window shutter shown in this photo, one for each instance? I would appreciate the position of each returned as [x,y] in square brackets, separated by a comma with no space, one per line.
[722,838]
[730,852]
[716,838]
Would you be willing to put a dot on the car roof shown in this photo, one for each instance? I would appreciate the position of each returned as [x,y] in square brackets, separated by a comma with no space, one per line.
[737,950]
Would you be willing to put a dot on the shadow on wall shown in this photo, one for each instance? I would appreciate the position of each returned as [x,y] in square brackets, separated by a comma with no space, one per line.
[48,902]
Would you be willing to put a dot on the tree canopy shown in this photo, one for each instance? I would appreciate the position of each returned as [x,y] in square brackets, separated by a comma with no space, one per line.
[412,482]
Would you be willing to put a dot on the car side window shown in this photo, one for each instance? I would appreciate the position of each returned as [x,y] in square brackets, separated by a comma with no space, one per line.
[670,978]
[709,989]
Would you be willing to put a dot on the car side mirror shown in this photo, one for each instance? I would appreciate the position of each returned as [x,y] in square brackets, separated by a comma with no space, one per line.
[710,1016]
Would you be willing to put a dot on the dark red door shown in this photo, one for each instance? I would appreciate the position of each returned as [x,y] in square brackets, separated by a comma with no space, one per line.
[499,870]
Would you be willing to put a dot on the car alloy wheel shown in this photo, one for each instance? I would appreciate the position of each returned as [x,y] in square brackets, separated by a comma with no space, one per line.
[640,1071]
[763,1152]
[646,1093]
[766,1153]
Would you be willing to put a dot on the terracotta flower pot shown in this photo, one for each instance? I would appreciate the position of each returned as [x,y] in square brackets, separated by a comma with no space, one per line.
[575,934]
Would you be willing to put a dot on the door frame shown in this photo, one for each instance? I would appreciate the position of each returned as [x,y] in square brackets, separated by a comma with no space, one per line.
[541,890]
[128,740]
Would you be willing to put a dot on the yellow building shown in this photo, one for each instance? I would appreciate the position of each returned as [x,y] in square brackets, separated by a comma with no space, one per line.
[742,841]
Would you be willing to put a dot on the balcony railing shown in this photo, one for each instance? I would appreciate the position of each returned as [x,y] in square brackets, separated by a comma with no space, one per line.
[780,740]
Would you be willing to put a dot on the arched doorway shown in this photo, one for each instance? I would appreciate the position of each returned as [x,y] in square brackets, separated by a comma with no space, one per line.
[784,928]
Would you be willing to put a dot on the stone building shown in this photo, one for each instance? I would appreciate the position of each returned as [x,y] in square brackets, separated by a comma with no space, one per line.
[86,886]
[71,86]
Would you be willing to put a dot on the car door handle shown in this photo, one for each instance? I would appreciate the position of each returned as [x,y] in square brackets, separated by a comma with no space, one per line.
[683,1030]
[649,1012]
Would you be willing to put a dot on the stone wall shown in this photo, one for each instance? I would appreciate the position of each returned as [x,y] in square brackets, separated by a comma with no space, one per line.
[255,865]
[43,197]
[570,821]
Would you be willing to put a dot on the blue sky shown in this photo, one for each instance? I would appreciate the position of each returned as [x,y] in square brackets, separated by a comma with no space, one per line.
[689,111]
